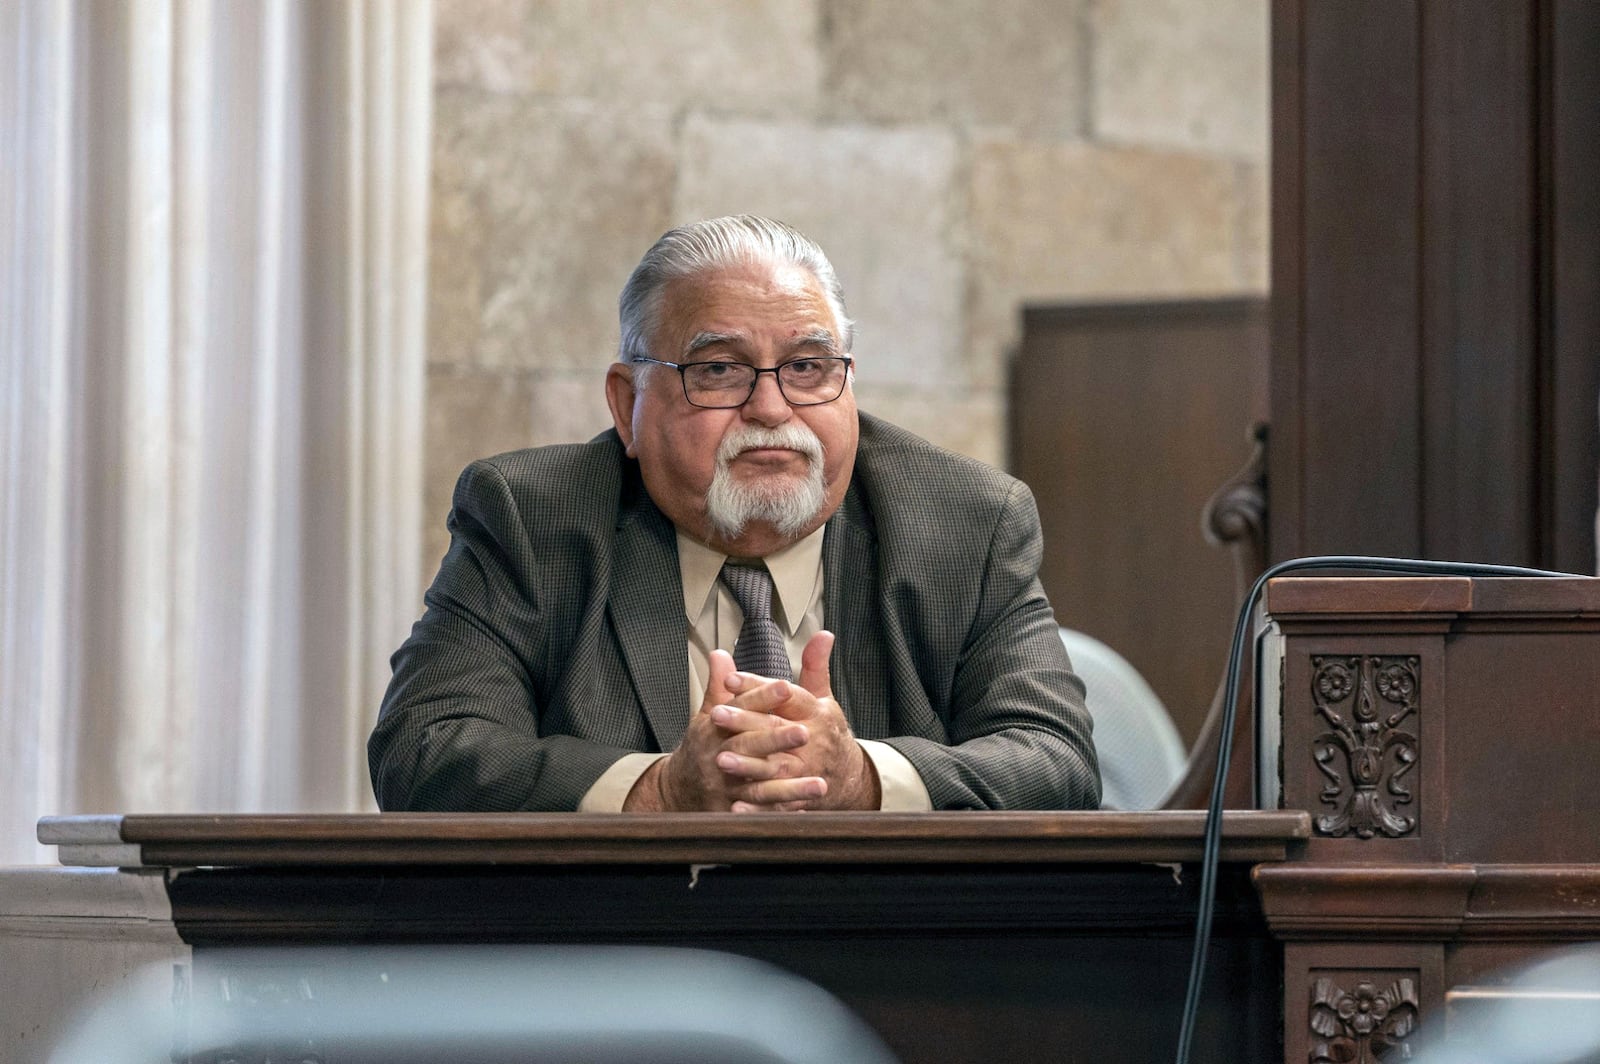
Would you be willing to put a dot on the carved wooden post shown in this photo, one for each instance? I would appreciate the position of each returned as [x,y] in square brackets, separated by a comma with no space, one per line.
[1360,682]
[1441,734]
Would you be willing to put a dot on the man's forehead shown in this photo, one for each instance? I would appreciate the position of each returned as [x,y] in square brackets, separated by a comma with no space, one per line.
[819,339]
[726,304]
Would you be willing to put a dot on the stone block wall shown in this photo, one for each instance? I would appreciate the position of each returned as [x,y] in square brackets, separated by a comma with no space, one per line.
[956,158]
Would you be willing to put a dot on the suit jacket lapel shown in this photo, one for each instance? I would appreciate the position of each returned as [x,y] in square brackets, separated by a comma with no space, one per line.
[849,597]
[646,607]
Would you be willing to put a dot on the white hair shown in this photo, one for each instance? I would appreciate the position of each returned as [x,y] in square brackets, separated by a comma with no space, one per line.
[708,247]
[789,507]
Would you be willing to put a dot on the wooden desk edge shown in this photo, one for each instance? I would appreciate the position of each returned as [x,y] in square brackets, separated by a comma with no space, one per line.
[564,838]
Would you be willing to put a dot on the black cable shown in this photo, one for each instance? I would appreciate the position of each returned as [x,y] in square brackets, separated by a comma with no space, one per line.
[1213,834]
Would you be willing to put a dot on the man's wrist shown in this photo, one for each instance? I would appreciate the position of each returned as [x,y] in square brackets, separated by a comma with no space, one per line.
[872,785]
[648,794]
[863,790]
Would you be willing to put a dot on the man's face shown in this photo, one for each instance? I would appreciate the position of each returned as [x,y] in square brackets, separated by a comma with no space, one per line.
[763,315]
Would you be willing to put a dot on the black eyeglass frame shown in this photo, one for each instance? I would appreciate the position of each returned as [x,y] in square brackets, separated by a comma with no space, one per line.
[755,381]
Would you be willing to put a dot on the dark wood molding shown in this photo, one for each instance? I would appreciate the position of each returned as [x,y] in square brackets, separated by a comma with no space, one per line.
[1324,902]
[1314,901]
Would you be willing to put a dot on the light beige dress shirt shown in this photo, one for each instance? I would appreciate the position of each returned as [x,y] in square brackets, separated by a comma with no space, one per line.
[714,622]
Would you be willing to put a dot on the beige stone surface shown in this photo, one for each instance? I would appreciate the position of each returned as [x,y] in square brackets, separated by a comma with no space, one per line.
[483,44]
[1076,222]
[972,424]
[1181,74]
[879,201]
[956,158]
[1013,64]
[540,209]
[751,57]
[1255,226]
[470,415]
[569,407]
[477,413]
[460,247]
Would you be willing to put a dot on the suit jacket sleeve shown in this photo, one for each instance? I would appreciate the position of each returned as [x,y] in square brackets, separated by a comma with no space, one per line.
[1018,730]
[459,726]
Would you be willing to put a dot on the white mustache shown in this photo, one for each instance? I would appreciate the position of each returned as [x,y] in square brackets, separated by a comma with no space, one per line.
[791,437]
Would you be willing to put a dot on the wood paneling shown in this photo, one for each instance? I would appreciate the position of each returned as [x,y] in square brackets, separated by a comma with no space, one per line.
[1478,286]
[1434,358]
[1125,420]
[1569,50]
[1356,410]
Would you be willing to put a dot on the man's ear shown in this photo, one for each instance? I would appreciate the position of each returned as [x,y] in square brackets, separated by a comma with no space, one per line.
[620,395]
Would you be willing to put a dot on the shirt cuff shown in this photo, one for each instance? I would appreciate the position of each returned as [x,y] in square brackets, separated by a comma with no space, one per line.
[611,789]
[899,780]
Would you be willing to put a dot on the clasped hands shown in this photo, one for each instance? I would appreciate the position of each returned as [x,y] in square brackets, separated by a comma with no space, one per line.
[763,745]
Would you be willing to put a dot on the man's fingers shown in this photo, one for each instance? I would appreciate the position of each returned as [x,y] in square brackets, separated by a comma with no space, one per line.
[779,698]
[741,721]
[753,769]
[778,791]
[760,694]
[814,665]
[759,739]
[768,741]
[779,807]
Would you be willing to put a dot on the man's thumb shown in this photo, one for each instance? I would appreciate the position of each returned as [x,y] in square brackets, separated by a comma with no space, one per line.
[717,693]
[814,665]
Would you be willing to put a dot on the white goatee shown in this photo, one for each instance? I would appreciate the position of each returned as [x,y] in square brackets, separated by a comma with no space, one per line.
[789,505]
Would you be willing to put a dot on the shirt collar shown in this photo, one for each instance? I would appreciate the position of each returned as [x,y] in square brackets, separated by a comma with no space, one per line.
[795,571]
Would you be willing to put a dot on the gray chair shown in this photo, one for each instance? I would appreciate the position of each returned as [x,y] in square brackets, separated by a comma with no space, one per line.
[471,1005]
[1546,1012]
[1142,756]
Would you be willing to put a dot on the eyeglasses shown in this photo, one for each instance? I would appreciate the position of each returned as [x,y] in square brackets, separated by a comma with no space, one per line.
[721,385]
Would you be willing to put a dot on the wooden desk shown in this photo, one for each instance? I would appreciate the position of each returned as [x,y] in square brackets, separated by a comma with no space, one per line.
[959,937]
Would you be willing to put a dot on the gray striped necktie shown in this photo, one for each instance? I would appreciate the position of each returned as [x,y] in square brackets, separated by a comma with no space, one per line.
[760,648]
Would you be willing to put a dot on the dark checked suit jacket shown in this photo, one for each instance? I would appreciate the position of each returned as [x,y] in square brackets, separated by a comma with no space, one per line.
[554,636]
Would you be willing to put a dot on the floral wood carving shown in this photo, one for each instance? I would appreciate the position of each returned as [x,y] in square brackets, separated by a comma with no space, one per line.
[1362,1025]
[1366,755]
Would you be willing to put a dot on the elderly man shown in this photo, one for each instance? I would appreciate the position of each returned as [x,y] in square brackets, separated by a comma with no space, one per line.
[891,645]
